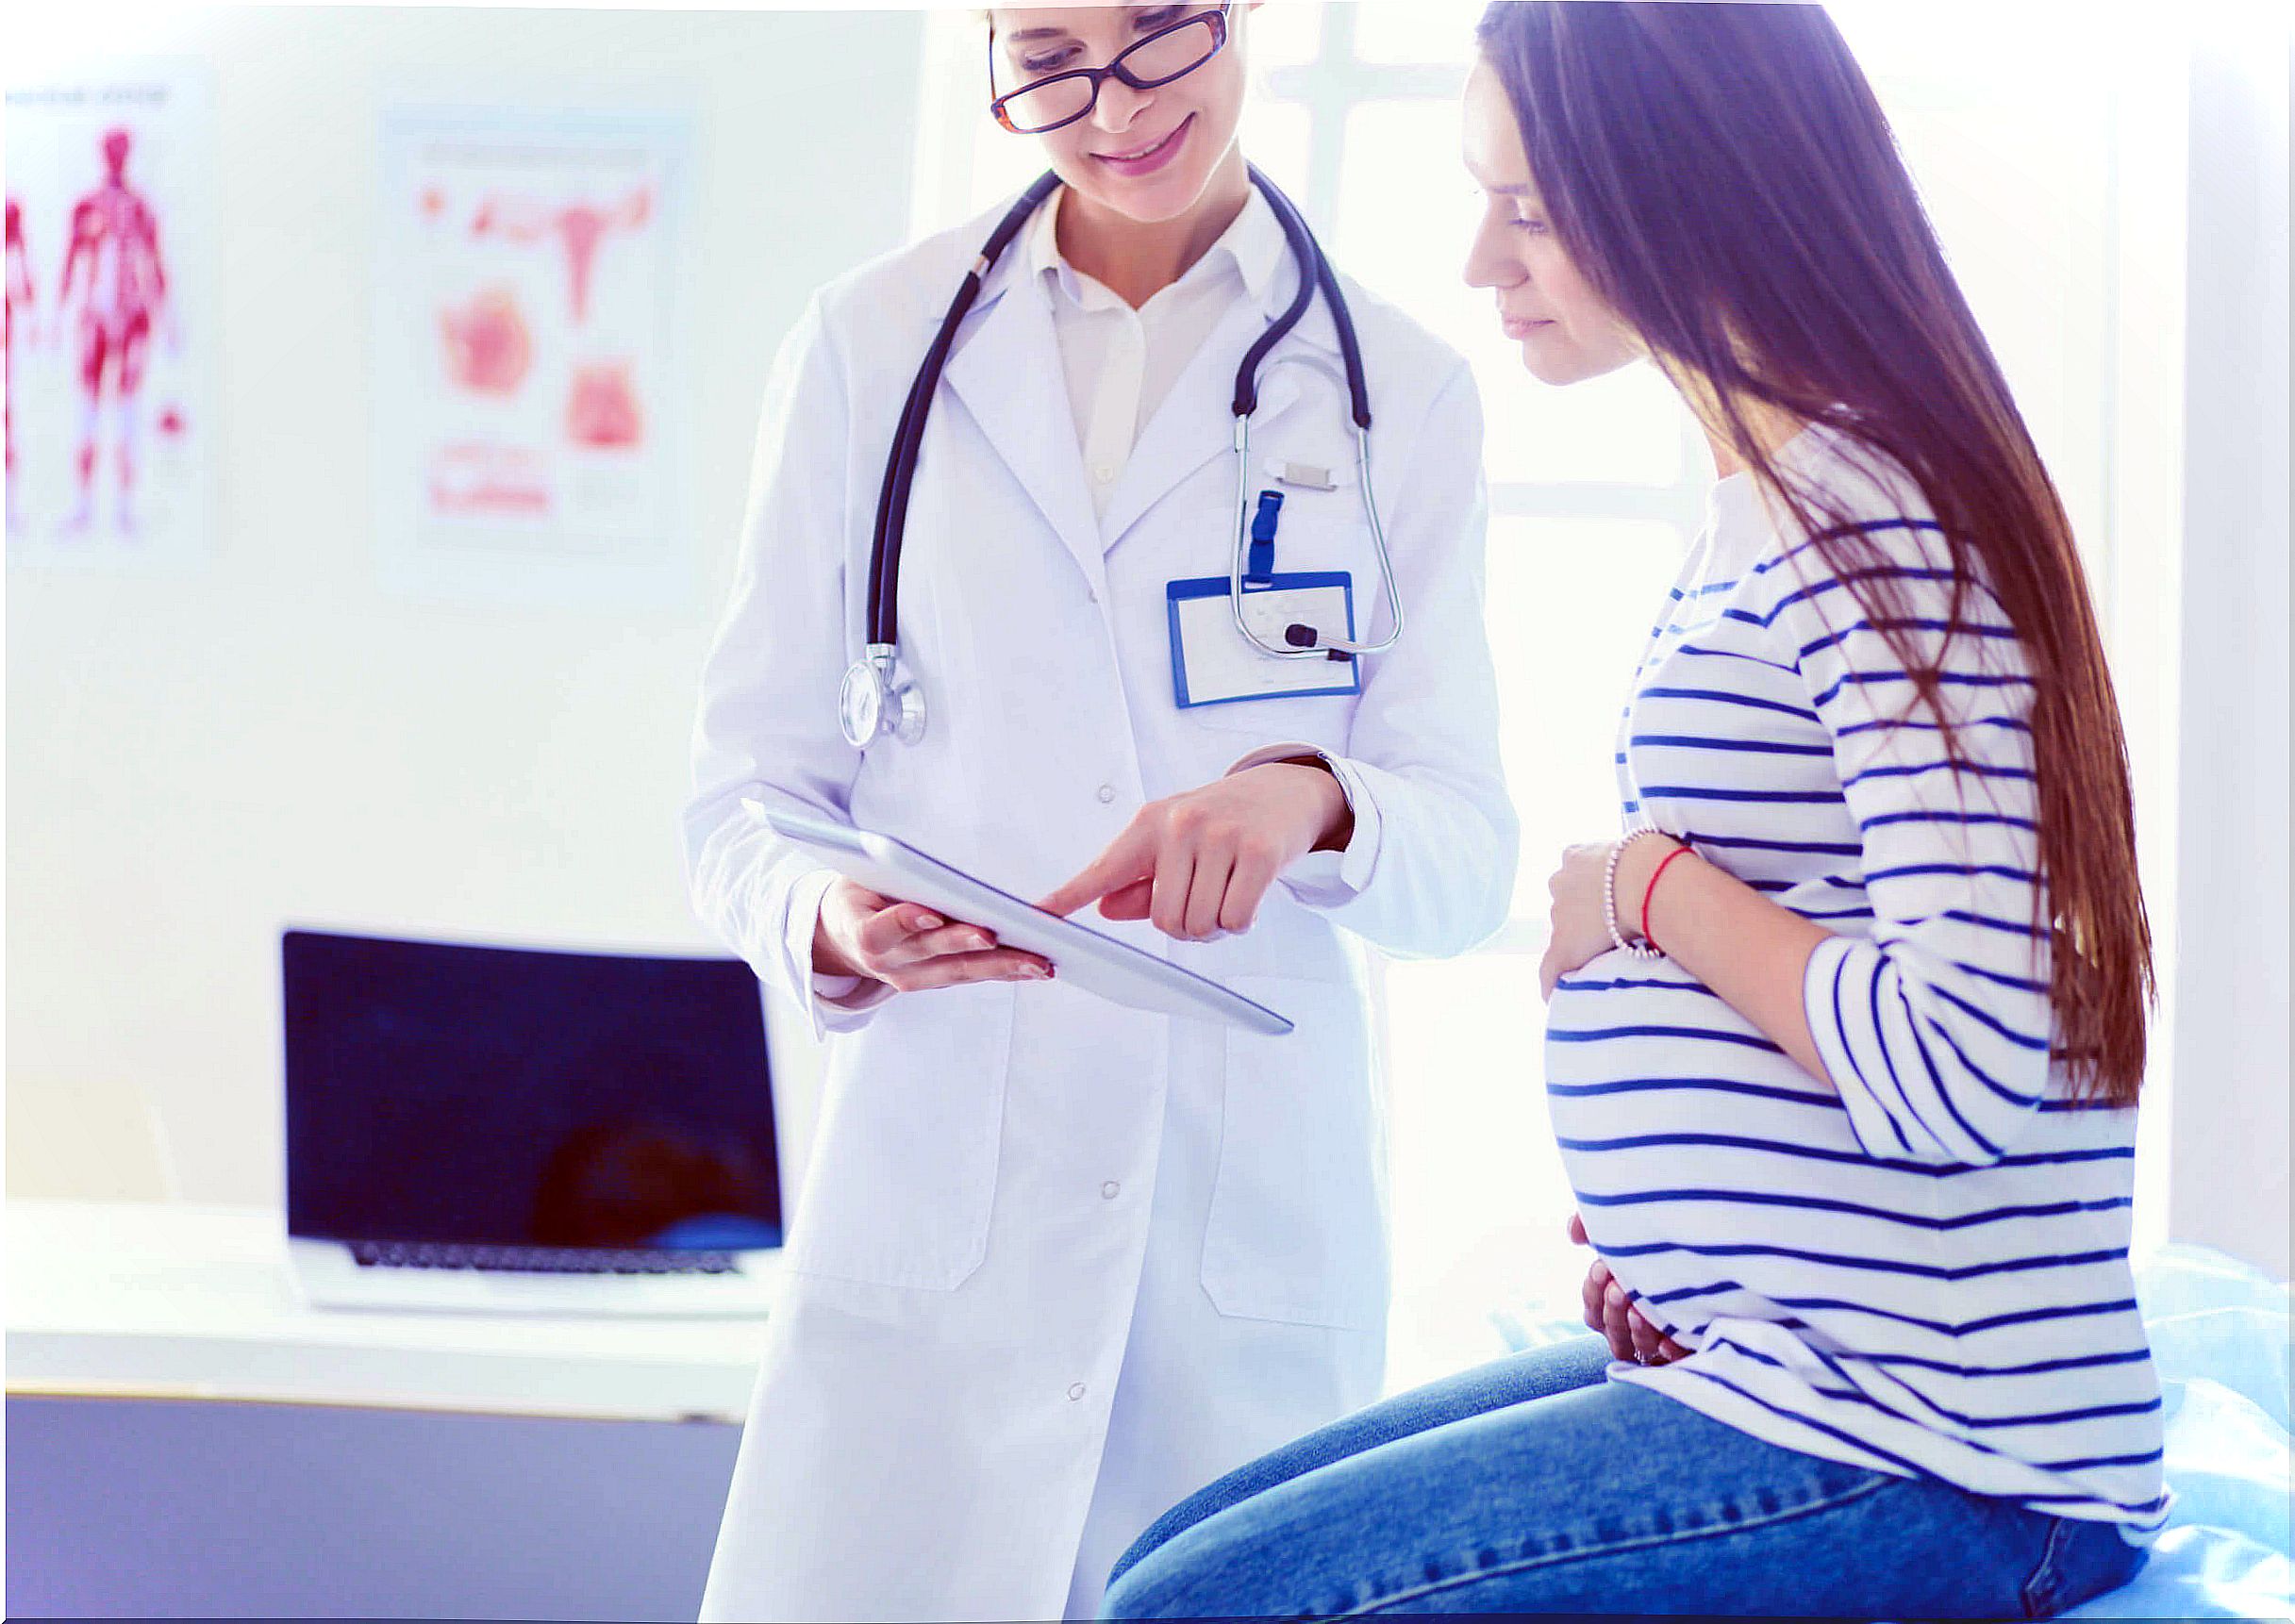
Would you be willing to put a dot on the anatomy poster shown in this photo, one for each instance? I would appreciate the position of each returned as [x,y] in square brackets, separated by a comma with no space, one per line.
[528,388]
[110,245]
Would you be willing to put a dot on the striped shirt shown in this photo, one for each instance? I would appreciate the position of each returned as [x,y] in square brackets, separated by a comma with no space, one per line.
[1918,1263]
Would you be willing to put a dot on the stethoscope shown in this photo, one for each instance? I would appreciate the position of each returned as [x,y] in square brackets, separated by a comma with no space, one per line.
[878,700]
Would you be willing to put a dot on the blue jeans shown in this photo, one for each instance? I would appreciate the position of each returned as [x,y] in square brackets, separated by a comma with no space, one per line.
[1534,1485]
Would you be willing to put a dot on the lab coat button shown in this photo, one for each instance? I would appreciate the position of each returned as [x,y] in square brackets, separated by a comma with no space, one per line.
[1107,794]
[1109,1191]
[1075,1391]
[1104,473]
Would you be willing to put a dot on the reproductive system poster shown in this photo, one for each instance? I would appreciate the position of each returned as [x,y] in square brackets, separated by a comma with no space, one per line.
[528,399]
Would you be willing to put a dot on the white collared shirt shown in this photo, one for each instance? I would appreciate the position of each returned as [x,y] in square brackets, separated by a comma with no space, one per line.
[1121,363]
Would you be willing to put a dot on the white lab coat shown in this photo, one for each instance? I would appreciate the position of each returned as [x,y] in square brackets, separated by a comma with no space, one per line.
[1058,1263]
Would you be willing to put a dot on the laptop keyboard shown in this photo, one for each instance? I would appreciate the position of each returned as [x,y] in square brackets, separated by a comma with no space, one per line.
[539,1259]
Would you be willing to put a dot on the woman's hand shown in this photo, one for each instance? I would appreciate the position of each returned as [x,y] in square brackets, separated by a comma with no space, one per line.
[907,946]
[1580,922]
[1581,929]
[1197,864]
[1610,1311]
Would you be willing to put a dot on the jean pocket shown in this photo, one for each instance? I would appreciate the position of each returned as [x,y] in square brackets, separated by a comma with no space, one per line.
[2079,1560]
[1297,1231]
[903,1172]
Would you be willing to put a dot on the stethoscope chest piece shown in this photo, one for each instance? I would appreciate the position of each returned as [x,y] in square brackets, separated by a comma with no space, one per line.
[877,702]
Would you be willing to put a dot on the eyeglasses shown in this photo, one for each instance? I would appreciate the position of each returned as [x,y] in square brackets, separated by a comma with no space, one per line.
[1059,99]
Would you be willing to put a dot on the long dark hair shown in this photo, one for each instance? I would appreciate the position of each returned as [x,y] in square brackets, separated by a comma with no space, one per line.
[1724,177]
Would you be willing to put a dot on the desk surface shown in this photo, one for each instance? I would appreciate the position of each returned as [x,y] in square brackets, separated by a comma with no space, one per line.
[187,1302]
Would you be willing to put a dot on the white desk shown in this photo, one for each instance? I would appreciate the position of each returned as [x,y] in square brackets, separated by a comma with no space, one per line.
[170,1300]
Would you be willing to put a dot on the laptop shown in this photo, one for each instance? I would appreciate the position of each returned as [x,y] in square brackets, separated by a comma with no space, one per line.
[498,1129]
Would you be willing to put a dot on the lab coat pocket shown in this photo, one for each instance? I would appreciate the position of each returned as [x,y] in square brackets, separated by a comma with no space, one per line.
[903,1172]
[1325,721]
[1298,1223]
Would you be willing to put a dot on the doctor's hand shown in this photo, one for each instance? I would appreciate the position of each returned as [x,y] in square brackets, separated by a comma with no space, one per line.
[907,946]
[1610,1311]
[1197,864]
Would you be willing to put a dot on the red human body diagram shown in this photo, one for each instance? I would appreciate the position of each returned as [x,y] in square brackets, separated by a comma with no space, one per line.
[109,262]
[116,273]
[19,273]
[16,274]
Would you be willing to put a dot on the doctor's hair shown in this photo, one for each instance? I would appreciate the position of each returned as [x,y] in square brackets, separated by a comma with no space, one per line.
[1724,177]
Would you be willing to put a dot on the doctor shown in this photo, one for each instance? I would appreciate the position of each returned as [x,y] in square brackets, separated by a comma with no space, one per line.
[1058,1263]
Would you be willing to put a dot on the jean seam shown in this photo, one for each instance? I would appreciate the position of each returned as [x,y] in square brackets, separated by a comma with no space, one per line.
[2043,1587]
[1556,1558]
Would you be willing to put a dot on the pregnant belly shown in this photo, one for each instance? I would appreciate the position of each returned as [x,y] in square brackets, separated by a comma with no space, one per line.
[1620,1027]
[1682,1127]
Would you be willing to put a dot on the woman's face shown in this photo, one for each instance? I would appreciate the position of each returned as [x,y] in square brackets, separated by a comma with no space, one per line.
[1146,155]
[1567,331]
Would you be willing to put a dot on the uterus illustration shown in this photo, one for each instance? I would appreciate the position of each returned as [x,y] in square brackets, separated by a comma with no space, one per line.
[602,411]
[487,344]
[491,340]
[579,229]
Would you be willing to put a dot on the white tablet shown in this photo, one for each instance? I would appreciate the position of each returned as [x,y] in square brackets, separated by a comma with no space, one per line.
[1116,971]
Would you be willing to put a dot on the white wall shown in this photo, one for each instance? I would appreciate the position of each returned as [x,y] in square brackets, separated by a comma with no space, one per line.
[2229,1146]
[193,763]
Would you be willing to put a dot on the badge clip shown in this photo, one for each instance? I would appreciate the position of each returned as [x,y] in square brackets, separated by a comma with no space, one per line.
[1260,571]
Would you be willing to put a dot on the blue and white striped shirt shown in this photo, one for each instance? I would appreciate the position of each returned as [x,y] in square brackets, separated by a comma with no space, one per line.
[1920,1263]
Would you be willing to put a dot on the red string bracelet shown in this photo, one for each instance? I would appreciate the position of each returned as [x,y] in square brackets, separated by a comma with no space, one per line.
[1651,890]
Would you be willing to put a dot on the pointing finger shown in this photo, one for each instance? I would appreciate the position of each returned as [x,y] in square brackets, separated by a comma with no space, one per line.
[1130,857]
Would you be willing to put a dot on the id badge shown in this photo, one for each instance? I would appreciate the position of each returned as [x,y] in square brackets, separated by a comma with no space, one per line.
[1213,663]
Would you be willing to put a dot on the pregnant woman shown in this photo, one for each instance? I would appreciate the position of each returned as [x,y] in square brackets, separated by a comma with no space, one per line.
[1845,1032]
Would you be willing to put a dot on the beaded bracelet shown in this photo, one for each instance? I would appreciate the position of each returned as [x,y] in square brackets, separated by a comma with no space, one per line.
[1609,896]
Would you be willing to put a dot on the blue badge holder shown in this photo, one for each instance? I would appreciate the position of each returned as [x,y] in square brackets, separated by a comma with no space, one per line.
[1178,592]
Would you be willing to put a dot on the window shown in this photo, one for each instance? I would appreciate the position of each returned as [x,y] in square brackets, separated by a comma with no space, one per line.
[2018,134]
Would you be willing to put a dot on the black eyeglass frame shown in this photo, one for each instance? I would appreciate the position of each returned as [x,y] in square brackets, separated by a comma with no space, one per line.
[1214,21]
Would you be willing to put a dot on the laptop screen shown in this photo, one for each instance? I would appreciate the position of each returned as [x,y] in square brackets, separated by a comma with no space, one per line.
[442,1092]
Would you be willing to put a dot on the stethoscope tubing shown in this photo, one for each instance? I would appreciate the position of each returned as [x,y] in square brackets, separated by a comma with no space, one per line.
[900,468]
[1315,274]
